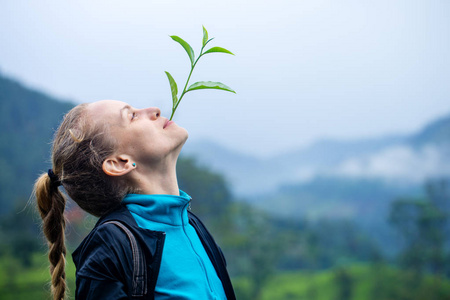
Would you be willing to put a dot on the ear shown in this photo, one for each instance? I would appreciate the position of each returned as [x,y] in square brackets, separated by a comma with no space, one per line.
[117,165]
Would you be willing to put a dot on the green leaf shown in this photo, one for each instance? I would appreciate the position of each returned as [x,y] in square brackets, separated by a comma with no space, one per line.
[186,47]
[200,85]
[205,36]
[173,89]
[218,49]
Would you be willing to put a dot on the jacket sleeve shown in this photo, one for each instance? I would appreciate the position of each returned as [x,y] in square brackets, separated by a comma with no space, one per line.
[95,289]
[103,265]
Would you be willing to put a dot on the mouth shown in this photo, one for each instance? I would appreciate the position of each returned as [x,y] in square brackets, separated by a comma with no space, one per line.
[167,123]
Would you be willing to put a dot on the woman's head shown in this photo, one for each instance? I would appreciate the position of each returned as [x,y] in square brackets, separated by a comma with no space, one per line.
[95,149]
[141,136]
[79,148]
[97,144]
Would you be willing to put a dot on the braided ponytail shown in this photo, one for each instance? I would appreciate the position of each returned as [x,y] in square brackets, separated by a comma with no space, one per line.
[51,203]
[79,148]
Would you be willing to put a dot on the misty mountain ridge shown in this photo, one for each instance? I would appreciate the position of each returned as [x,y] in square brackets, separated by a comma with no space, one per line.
[355,180]
[407,159]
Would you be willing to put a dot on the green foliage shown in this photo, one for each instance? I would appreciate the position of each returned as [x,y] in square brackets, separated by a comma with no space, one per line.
[423,224]
[369,282]
[364,204]
[27,119]
[344,283]
[200,84]
[18,234]
[186,47]
[217,50]
[173,89]
[253,246]
[31,282]
[360,282]
[209,191]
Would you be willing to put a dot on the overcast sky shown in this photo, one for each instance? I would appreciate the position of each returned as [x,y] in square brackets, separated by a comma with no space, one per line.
[303,70]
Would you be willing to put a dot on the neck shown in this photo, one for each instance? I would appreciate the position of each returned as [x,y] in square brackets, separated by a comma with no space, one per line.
[161,179]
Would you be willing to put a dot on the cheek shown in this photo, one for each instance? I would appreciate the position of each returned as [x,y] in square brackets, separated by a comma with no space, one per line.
[125,143]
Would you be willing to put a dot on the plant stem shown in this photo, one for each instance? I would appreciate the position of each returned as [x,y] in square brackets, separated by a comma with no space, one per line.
[185,86]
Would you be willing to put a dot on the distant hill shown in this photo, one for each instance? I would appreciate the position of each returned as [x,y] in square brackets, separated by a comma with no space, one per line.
[354,180]
[238,167]
[436,133]
[26,118]
[407,159]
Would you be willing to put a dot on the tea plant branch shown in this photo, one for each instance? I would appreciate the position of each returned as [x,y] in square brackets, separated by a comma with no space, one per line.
[187,82]
[200,84]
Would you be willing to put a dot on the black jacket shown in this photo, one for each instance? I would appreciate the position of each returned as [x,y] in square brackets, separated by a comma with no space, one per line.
[104,260]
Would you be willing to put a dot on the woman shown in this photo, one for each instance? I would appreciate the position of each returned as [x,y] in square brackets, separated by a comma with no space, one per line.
[119,163]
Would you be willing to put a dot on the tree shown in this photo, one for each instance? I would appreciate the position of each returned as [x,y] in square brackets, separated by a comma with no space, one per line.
[255,245]
[20,234]
[209,191]
[423,224]
[344,282]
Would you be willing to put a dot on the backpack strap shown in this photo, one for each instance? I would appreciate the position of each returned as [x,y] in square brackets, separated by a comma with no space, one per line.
[139,265]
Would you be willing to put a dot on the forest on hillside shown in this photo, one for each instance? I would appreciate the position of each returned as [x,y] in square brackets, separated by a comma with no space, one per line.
[269,256]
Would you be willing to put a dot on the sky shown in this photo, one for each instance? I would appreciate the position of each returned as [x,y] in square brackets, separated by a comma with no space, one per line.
[303,70]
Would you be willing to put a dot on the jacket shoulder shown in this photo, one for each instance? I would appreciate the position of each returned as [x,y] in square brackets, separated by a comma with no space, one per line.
[105,254]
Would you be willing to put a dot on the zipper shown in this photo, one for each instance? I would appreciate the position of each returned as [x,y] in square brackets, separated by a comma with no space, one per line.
[214,254]
[199,259]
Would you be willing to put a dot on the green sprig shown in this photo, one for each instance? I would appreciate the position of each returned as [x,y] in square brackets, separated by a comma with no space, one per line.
[200,85]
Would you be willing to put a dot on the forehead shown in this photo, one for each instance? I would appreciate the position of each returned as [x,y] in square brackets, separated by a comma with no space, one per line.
[106,110]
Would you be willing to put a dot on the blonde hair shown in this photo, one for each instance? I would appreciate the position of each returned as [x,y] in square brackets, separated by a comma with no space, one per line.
[79,148]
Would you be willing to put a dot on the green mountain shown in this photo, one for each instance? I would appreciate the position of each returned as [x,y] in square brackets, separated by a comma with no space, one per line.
[28,119]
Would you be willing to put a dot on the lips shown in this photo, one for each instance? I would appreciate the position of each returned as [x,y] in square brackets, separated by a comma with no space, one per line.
[168,122]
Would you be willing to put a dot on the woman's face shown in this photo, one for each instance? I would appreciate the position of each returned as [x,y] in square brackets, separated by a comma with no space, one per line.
[142,134]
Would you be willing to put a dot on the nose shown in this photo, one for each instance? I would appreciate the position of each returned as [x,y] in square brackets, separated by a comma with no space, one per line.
[153,112]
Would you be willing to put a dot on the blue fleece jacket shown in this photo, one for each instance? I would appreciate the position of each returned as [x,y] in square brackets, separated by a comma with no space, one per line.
[186,271]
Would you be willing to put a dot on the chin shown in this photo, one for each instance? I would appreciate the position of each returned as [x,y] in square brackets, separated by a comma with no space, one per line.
[186,135]
[183,139]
